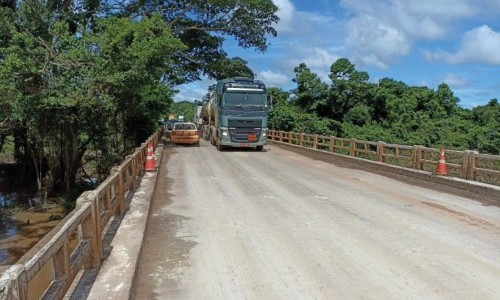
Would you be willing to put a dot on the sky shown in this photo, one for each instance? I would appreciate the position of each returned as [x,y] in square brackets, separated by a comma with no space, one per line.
[422,43]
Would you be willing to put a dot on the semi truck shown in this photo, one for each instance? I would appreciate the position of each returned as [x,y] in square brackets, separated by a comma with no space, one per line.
[197,115]
[235,113]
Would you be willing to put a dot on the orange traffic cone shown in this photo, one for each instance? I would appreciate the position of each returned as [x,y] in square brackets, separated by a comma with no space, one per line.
[441,165]
[150,164]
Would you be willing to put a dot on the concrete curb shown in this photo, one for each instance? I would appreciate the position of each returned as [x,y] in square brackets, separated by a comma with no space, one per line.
[478,188]
[117,273]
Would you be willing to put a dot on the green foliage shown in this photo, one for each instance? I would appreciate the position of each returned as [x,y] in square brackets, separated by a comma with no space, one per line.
[185,109]
[286,117]
[311,94]
[68,201]
[390,111]
[349,88]
[486,135]
[368,132]
[359,115]
[228,68]
[98,76]
[204,25]
[277,96]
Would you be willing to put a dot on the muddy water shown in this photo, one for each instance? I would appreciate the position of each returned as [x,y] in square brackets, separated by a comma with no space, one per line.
[21,229]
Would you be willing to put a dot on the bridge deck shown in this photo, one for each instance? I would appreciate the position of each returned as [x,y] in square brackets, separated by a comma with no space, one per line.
[276,225]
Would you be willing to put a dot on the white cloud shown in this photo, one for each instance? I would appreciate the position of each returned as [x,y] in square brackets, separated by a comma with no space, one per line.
[314,57]
[381,31]
[188,93]
[373,42]
[481,44]
[271,78]
[193,91]
[286,12]
[455,81]
[448,9]
[310,37]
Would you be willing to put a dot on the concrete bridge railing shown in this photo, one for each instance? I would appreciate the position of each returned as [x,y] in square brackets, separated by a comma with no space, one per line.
[76,243]
[468,165]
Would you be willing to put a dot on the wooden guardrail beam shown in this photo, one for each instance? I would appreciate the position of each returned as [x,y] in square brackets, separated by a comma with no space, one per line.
[468,164]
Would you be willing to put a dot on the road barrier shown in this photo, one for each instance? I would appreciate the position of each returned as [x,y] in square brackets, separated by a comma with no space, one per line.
[75,245]
[468,165]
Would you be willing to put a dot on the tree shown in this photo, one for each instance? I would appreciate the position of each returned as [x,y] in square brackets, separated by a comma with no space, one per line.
[486,134]
[311,94]
[359,115]
[349,88]
[446,99]
[72,91]
[228,68]
[278,96]
[387,90]
[185,109]
[99,74]
[203,25]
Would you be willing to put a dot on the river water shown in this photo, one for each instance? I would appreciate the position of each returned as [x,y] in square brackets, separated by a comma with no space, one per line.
[20,228]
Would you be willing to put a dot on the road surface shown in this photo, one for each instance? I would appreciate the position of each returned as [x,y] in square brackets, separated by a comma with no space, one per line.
[244,224]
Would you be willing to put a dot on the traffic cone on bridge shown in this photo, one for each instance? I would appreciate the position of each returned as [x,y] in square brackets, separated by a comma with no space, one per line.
[441,165]
[150,164]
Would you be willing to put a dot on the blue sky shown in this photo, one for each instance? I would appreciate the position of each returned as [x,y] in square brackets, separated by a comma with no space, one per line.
[422,43]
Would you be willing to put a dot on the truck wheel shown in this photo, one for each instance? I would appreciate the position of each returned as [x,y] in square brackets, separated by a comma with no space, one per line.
[259,148]
[220,147]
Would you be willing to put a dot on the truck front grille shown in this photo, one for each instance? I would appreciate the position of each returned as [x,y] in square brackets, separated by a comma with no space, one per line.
[244,135]
[244,130]
[244,123]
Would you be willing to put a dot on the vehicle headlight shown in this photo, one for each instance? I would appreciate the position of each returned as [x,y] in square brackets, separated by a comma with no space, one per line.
[224,133]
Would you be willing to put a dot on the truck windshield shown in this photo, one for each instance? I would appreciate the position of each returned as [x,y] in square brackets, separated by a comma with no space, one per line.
[244,99]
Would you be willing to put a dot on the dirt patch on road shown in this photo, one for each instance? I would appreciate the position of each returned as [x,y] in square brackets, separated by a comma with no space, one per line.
[462,216]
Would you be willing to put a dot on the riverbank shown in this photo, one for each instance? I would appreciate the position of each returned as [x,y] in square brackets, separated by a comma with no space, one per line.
[22,229]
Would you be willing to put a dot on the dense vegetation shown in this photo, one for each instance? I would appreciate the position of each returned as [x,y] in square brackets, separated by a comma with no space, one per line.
[390,111]
[185,109]
[87,81]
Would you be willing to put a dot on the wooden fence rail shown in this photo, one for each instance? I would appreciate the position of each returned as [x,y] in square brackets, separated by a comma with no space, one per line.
[469,165]
[76,244]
